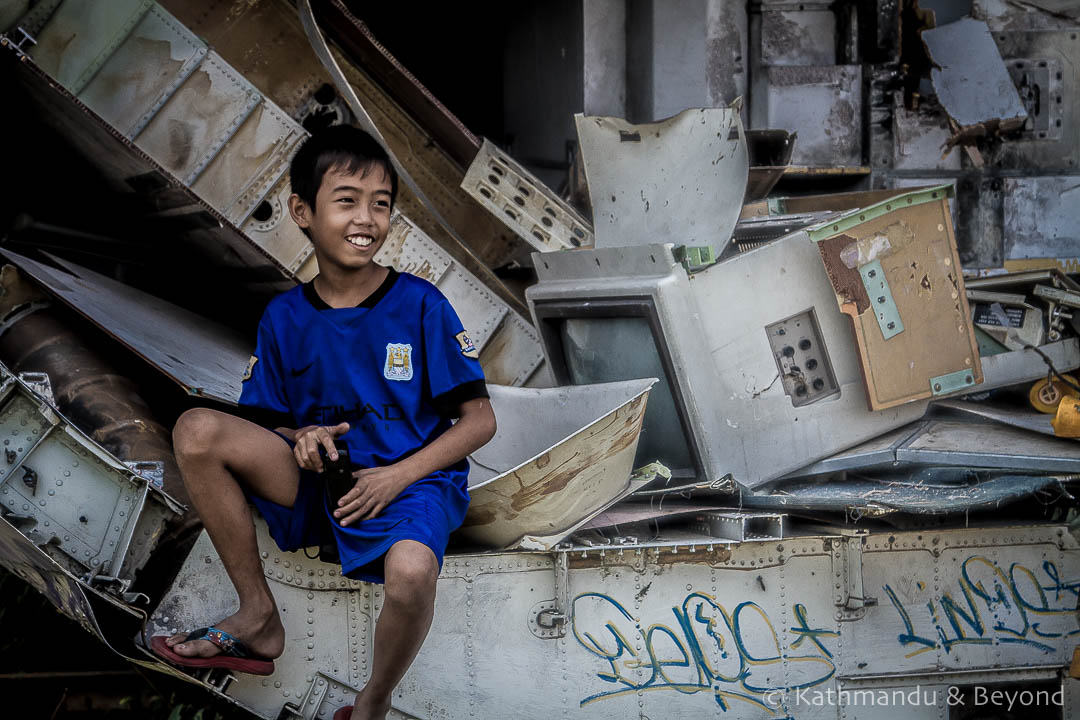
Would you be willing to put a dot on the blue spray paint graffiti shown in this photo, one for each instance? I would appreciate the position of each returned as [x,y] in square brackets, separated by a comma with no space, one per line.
[994,606]
[736,655]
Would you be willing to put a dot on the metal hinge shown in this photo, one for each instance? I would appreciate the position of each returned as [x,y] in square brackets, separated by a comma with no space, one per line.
[849,595]
[548,619]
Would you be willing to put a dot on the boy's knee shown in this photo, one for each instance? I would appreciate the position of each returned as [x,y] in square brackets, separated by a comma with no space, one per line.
[196,432]
[411,575]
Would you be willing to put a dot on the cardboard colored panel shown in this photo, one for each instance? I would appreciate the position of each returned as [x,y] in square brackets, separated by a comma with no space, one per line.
[911,236]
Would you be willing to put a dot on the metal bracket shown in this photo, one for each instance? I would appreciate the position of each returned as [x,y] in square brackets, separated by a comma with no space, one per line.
[17,46]
[548,619]
[523,203]
[950,383]
[153,471]
[39,382]
[695,257]
[847,578]
[742,526]
[881,299]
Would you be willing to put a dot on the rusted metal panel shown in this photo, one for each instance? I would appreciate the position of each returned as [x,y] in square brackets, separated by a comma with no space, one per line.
[1042,217]
[802,35]
[127,168]
[199,118]
[137,80]
[20,556]
[246,168]
[78,38]
[367,52]
[549,483]
[920,137]
[206,359]
[823,105]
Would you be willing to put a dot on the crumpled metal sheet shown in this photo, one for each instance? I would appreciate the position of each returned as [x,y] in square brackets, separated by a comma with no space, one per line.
[971,80]
[1005,414]
[535,483]
[932,491]
[205,358]
[680,180]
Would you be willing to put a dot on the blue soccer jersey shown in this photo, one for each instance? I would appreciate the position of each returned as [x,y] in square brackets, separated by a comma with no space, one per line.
[395,368]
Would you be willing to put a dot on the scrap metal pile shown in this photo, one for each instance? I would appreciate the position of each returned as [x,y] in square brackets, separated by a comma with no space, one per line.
[705,360]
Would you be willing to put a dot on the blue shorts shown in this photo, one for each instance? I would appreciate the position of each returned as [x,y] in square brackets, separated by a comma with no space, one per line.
[427,512]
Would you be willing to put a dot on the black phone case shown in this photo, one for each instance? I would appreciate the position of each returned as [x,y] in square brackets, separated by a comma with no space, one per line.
[337,475]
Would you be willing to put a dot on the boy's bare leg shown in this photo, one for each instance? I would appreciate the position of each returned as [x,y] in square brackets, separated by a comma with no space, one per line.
[411,571]
[216,452]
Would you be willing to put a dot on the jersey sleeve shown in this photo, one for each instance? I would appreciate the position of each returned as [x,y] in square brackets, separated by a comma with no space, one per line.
[451,361]
[262,392]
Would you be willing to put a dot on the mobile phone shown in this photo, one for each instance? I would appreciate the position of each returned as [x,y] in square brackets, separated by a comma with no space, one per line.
[337,474]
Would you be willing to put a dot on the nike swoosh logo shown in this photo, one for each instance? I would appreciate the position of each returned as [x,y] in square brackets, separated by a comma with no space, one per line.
[298,373]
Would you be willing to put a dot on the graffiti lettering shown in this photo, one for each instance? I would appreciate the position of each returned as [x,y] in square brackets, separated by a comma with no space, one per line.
[733,654]
[993,606]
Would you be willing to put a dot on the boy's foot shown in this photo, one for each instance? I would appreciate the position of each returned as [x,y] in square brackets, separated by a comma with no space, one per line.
[363,709]
[263,634]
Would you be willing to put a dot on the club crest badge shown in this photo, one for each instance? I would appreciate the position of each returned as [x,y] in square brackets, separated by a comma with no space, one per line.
[398,362]
[467,347]
[247,371]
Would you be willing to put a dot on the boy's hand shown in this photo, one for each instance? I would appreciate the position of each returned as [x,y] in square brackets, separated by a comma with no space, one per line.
[310,439]
[375,489]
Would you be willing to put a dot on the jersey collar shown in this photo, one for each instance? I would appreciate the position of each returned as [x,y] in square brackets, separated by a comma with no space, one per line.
[369,302]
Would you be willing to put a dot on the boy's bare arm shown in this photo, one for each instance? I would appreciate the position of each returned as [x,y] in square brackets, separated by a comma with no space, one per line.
[377,487]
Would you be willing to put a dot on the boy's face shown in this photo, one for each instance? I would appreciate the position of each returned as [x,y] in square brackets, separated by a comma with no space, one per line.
[351,216]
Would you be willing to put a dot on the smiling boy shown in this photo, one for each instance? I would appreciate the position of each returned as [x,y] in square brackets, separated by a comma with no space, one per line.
[366,356]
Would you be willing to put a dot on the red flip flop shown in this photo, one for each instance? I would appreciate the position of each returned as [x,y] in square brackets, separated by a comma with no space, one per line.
[235,655]
[343,713]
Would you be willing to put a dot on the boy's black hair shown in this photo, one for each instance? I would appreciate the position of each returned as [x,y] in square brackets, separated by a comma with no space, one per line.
[344,147]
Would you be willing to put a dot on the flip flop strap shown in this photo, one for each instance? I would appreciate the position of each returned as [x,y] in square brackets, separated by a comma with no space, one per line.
[229,645]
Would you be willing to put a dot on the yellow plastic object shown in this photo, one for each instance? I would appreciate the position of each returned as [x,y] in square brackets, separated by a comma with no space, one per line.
[1045,396]
[1067,421]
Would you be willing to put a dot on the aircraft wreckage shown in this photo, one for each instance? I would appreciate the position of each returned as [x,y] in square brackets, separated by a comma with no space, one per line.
[736,438]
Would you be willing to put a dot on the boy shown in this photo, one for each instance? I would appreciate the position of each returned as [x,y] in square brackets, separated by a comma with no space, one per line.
[369,357]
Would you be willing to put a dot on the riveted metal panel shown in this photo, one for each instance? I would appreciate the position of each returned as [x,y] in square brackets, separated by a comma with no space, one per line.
[687,627]
[1059,100]
[71,497]
[137,80]
[78,38]
[199,118]
[272,229]
[251,162]
[523,203]
[409,249]
[20,556]
[479,309]
[328,620]
[513,355]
